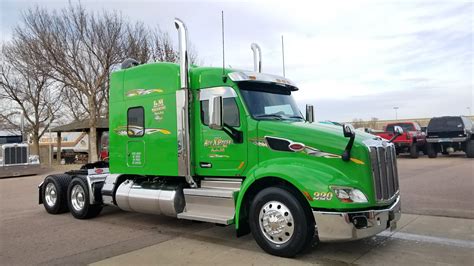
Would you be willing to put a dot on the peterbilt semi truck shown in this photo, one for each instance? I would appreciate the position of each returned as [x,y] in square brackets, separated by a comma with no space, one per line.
[231,147]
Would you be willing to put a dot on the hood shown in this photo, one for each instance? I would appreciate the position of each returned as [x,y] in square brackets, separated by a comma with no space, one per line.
[324,137]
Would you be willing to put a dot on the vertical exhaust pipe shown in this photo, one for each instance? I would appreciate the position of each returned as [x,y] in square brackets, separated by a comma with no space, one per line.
[257,58]
[182,107]
[183,52]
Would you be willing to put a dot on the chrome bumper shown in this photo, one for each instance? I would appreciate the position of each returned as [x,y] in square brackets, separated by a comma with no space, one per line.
[438,140]
[344,226]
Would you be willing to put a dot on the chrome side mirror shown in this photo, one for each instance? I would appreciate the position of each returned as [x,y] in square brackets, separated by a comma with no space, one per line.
[215,113]
[398,130]
[309,113]
[348,130]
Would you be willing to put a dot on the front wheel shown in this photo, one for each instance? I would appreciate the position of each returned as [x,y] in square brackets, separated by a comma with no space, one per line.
[414,153]
[470,149]
[78,200]
[279,223]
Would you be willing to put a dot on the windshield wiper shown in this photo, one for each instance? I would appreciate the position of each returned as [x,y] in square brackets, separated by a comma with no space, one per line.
[296,116]
[277,116]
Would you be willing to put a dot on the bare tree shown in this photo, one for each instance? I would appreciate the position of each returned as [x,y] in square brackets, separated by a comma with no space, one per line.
[81,48]
[27,88]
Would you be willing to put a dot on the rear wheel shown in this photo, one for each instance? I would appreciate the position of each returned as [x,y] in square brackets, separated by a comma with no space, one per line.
[54,193]
[78,200]
[431,150]
[470,149]
[279,223]
[414,153]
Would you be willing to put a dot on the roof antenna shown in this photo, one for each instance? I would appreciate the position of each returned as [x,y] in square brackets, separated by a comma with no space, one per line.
[283,54]
[224,77]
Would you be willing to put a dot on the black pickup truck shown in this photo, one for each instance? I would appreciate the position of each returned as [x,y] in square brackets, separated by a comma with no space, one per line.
[448,134]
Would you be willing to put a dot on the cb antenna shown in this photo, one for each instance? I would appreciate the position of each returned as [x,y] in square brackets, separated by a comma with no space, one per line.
[224,78]
[283,54]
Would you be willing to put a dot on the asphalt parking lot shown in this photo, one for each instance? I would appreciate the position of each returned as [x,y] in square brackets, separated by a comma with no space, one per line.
[437,228]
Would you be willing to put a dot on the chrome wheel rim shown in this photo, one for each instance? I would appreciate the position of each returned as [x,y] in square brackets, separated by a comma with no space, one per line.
[276,222]
[78,198]
[50,195]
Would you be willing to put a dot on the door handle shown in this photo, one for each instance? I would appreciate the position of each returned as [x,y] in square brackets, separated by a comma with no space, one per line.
[205,165]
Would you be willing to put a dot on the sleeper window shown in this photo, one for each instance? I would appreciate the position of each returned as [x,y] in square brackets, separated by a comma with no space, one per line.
[135,122]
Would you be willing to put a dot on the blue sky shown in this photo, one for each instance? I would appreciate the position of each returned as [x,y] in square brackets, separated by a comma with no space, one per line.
[351,59]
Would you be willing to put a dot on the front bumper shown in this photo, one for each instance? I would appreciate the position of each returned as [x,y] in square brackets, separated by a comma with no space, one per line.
[438,140]
[344,226]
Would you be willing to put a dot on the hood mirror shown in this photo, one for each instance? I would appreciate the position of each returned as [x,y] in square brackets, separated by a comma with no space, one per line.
[349,132]
[309,113]
[215,113]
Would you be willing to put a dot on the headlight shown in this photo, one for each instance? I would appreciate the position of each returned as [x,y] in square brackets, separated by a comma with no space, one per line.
[349,195]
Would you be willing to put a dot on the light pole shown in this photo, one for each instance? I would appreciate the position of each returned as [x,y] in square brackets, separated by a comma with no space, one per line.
[396,112]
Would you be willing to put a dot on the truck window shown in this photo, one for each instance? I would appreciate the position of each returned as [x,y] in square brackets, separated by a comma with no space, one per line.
[135,122]
[266,101]
[231,112]
[405,126]
[448,123]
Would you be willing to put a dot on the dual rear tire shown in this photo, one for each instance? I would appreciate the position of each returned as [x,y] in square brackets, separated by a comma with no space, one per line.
[61,193]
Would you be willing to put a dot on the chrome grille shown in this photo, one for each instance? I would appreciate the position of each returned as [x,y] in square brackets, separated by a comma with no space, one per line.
[15,155]
[384,171]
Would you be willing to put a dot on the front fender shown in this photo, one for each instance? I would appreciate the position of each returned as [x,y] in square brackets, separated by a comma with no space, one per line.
[306,175]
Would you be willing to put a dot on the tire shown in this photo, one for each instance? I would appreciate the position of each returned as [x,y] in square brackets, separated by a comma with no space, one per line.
[470,149]
[298,232]
[78,200]
[430,149]
[414,153]
[54,193]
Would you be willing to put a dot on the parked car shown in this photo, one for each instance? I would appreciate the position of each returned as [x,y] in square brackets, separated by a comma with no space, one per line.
[448,134]
[412,140]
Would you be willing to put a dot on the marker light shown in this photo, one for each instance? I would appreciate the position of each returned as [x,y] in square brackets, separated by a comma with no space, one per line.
[296,146]
[349,195]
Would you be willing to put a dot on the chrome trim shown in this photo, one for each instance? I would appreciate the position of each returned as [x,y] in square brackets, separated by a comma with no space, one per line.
[91,180]
[131,196]
[183,52]
[337,226]
[182,107]
[255,76]
[276,222]
[384,169]
[438,140]
[208,93]
[257,57]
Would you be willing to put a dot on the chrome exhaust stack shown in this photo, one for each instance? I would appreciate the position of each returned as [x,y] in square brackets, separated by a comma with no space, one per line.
[257,57]
[183,53]
[182,106]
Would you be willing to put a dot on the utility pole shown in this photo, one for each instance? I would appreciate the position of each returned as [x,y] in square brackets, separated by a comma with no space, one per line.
[396,112]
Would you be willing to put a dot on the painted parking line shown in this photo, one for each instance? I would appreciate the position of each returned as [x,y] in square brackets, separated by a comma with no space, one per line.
[430,239]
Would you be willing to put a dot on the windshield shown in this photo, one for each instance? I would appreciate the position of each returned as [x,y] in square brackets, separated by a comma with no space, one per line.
[269,101]
[405,126]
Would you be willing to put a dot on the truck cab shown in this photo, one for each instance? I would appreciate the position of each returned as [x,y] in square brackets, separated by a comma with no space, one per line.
[231,147]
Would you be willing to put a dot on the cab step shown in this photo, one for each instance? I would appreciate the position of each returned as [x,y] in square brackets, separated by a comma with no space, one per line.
[213,202]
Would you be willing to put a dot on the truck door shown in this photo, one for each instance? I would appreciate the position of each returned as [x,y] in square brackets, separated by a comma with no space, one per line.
[217,154]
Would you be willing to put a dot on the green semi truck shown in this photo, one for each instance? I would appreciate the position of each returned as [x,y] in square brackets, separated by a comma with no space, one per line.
[231,147]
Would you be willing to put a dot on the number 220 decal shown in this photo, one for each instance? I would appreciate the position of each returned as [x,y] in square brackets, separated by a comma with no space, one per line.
[322,195]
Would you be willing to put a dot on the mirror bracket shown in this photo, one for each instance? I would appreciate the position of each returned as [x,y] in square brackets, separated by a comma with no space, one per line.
[349,132]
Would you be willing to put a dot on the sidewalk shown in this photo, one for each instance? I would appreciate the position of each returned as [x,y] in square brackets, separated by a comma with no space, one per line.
[419,240]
